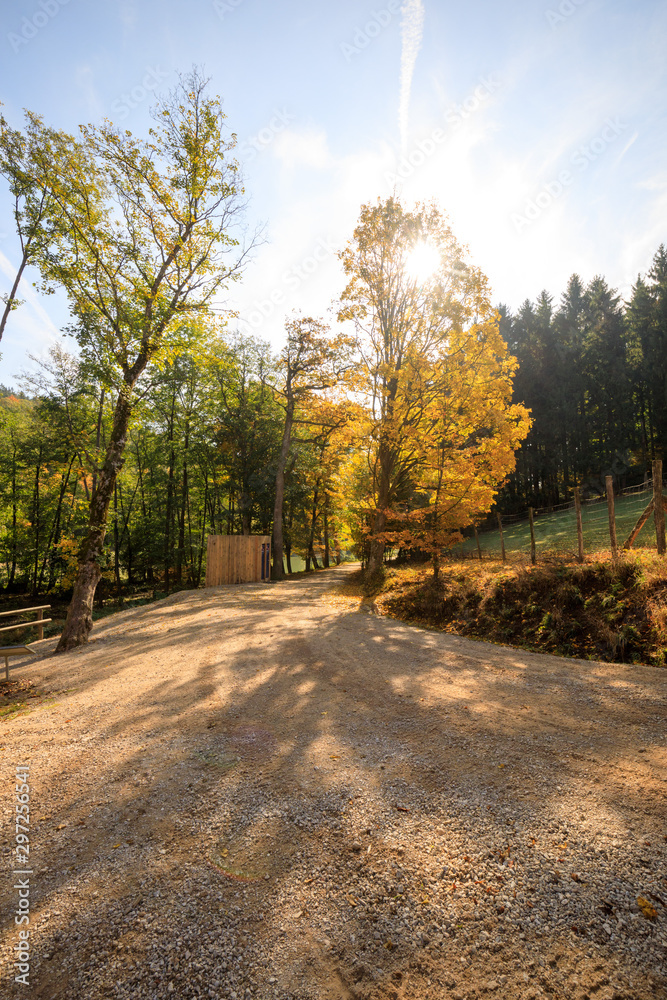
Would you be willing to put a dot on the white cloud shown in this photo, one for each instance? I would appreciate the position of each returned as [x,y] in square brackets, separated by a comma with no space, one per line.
[412,29]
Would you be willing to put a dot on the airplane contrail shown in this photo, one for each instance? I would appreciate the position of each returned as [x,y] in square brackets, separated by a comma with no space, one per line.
[412,28]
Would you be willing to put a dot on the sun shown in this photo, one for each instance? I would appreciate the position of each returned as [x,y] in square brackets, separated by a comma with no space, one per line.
[422,262]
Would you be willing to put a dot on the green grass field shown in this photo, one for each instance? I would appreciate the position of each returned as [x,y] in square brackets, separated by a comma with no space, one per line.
[557,532]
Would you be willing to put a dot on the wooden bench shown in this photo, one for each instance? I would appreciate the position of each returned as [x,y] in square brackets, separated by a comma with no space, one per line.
[40,622]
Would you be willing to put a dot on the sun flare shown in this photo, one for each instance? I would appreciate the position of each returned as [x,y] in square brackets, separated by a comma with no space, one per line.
[422,262]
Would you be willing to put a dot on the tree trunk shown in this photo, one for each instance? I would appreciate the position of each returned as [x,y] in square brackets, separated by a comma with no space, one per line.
[203,531]
[245,509]
[313,524]
[170,497]
[98,436]
[280,493]
[116,540]
[326,531]
[12,573]
[55,533]
[181,522]
[79,619]
[377,545]
[11,298]
[36,519]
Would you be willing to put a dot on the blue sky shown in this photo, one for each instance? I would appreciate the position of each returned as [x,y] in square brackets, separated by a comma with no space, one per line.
[538,125]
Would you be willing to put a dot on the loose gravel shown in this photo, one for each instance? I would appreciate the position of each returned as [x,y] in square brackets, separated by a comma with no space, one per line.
[263,792]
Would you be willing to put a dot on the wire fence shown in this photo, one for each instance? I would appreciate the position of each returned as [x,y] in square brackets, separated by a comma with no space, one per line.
[607,523]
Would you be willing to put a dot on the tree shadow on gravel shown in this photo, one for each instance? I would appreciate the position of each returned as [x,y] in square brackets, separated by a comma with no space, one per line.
[397,797]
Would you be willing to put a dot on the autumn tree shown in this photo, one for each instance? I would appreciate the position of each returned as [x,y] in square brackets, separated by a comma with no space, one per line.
[152,255]
[311,362]
[437,372]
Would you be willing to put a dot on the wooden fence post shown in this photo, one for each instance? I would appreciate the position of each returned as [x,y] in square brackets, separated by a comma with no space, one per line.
[609,485]
[532,536]
[479,550]
[641,521]
[658,508]
[580,530]
[40,627]
[502,540]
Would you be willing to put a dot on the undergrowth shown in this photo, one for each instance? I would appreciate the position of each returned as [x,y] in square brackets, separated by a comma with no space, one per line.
[596,610]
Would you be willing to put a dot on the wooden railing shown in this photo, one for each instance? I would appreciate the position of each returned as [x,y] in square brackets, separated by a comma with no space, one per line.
[39,623]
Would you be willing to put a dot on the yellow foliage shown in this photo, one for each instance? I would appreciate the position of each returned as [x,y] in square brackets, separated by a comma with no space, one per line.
[441,430]
[67,549]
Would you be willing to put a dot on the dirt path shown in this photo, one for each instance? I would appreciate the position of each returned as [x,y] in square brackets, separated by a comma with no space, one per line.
[262,791]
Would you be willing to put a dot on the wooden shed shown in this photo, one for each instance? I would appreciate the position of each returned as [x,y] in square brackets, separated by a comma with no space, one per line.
[237,559]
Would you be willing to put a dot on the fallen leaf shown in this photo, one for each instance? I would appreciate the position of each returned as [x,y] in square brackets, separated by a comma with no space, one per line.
[351,901]
[648,911]
[389,945]
[403,809]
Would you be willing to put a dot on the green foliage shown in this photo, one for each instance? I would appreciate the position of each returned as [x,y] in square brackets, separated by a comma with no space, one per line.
[200,459]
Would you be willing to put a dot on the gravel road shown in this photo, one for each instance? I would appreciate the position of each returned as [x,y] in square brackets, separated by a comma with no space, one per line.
[266,791]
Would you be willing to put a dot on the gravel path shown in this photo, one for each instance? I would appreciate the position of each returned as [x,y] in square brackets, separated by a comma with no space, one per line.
[265,791]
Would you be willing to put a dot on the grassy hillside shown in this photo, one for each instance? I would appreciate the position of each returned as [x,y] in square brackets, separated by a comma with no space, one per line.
[557,532]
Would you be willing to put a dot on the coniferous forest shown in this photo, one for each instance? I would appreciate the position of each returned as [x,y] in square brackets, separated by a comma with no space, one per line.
[593,372]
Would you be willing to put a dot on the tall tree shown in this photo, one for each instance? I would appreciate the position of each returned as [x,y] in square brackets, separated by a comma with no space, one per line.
[156,252]
[311,362]
[430,349]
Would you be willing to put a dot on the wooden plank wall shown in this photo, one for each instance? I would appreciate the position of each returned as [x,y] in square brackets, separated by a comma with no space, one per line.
[234,559]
